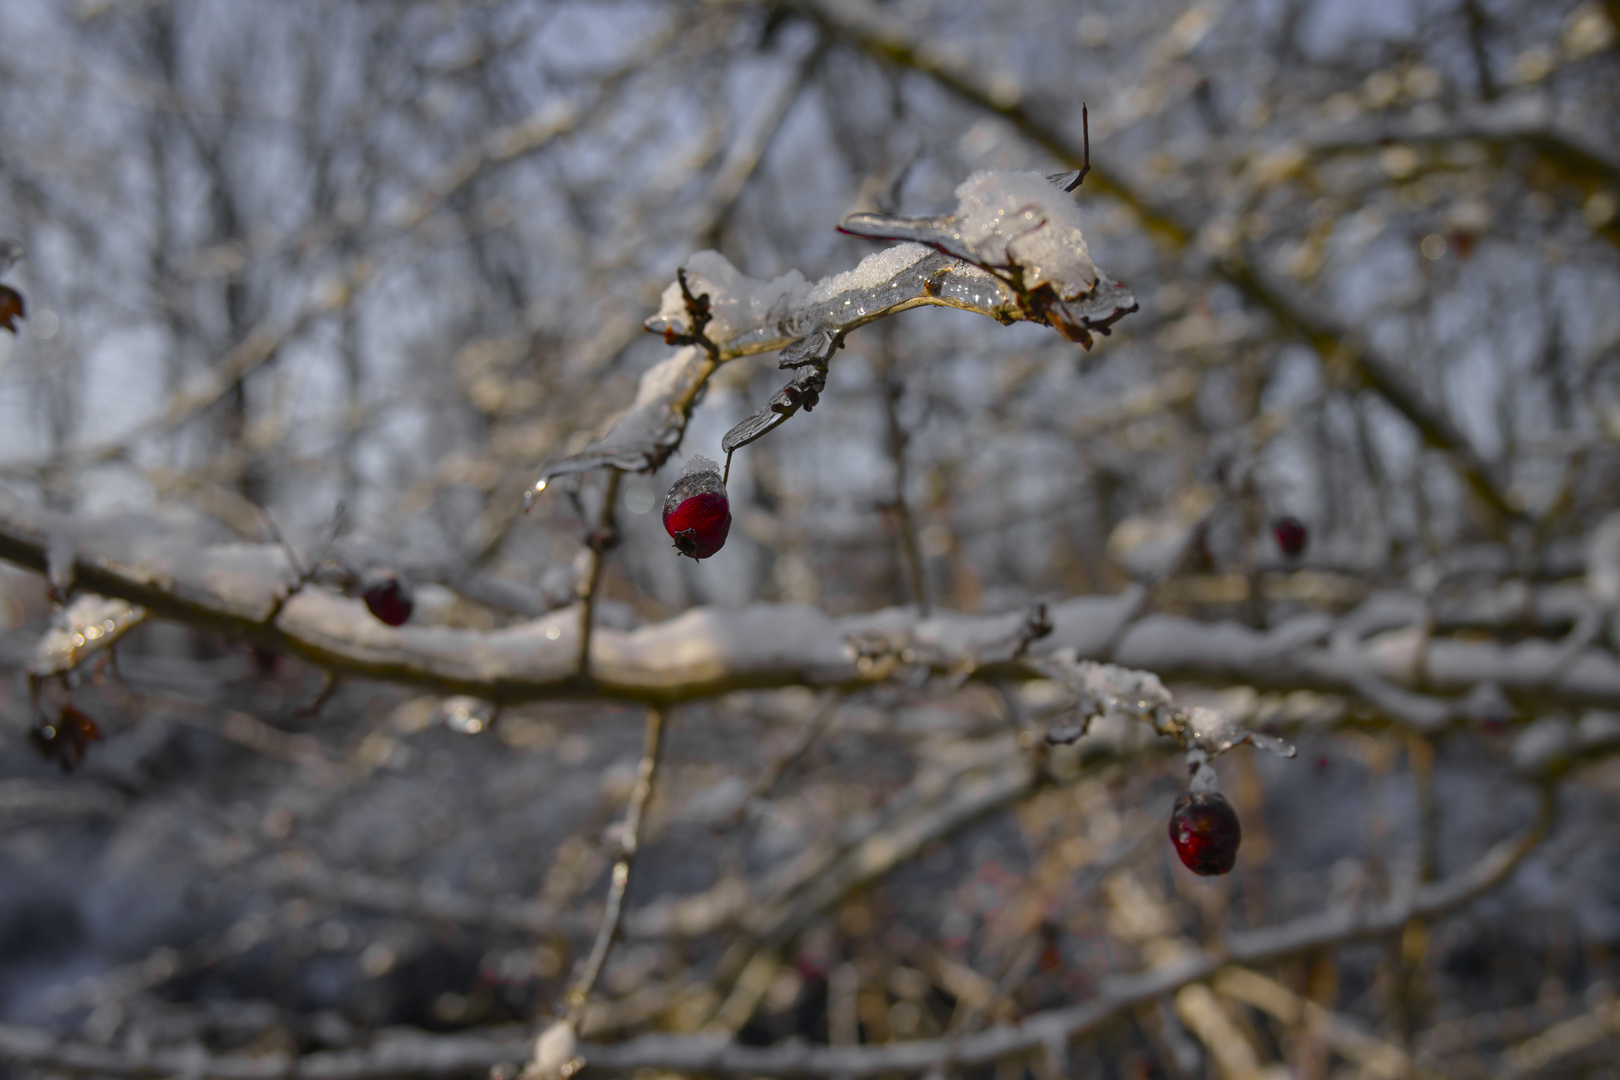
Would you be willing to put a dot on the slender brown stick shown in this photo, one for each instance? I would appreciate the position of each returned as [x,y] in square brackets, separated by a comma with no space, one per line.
[601,539]
[910,549]
[796,749]
[629,841]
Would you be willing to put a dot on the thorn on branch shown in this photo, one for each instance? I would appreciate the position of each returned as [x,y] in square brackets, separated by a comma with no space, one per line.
[1085,164]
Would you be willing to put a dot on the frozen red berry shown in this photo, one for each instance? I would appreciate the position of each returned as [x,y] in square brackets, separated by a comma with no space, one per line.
[389,598]
[65,739]
[697,514]
[1291,535]
[1205,830]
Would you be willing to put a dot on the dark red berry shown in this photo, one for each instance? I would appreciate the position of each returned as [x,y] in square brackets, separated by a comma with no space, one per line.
[1205,830]
[64,739]
[389,598]
[697,514]
[1291,535]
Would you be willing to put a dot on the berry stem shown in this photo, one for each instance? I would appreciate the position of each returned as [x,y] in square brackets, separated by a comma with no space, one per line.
[1201,775]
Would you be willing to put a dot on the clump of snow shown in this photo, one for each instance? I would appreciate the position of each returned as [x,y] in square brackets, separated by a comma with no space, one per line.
[737,302]
[872,272]
[1022,218]
[1112,686]
[697,463]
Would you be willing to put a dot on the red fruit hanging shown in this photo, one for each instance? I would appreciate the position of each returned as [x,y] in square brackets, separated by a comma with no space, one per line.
[1291,535]
[1205,830]
[697,514]
[389,598]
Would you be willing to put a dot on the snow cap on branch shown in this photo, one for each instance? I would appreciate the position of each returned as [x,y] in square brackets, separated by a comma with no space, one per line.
[737,302]
[1018,223]
[1021,218]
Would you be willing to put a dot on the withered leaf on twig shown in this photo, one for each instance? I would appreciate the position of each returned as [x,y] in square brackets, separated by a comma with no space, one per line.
[12,308]
[65,739]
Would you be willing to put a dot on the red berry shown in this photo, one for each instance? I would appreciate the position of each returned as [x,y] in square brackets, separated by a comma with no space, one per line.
[697,514]
[389,598]
[1291,535]
[1205,830]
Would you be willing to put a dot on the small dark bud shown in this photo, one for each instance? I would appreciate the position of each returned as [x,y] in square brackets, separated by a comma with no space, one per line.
[265,661]
[389,598]
[1205,831]
[1291,534]
[697,513]
[65,739]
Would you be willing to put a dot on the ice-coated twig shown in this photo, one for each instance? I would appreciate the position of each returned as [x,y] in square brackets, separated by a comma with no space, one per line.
[1101,689]
[1023,229]
[1013,251]
[645,434]
[86,626]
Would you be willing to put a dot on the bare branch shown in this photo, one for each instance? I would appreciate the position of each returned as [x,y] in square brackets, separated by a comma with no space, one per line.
[873,31]
[629,843]
[446,1056]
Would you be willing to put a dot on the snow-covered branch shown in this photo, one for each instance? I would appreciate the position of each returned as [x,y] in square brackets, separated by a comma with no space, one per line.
[1012,250]
[174,570]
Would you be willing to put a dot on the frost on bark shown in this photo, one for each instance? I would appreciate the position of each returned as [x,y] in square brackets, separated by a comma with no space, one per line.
[1012,250]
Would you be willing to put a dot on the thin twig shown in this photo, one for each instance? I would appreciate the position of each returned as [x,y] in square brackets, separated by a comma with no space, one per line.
[881,35]
[898,439]
[602,538]
[629,842]
[803,739]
